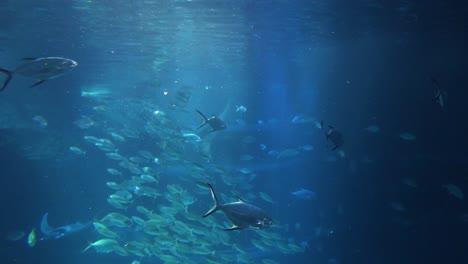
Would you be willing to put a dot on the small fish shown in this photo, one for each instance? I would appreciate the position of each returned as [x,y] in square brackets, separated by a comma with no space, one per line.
[454,190]
[245,170]
[372,129]
[287,153]
[40,69]
[105,245]
[214,122]
[273,153]
[96,93]
[307,147]
[15,235]
[242,214]
[84,122]
[304,194]
[114,156]
[407,136]
[117,137]
[265,197]
[32,238]
[341,153]
[92,140]
[302,119]
[114,172]
[77,150]
[40,120]
[241,109]
[145,154]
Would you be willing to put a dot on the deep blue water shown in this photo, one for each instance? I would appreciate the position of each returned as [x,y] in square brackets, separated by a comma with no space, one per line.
[364,67]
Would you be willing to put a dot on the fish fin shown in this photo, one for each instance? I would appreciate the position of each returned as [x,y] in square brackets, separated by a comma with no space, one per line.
[37,83]
[215,199]
[88,247]
[46,229]
[240,199]
[205,120]
[9,74]
[234,227]
[321,124]
[334,148]
[29,58]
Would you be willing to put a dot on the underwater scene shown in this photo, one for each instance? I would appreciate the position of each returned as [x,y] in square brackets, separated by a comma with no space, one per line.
[233,131]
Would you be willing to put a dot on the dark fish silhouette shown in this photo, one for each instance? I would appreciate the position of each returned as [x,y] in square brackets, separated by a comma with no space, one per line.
[61,231]
[439,94]
[214,122]
[40,69]
[335,137]
[242,214]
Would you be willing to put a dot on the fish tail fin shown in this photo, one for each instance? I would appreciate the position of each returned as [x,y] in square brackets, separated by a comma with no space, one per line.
[88,247]
[205,120]
[9,74]
[215,199]
[46,229]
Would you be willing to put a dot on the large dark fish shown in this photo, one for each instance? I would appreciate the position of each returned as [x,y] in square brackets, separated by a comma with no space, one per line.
[242,214]
[40,69]
[61,231]
[214,122]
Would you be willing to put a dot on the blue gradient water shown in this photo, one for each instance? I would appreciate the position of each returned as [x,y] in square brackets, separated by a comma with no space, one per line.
[348,64]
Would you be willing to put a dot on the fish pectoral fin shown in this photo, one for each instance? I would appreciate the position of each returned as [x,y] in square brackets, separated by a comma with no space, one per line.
[234,227]
[37,83]
[29,58]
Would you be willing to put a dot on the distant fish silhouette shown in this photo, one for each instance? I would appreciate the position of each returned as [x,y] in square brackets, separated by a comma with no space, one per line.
[335,137]
[61,231]
[439,94]
[304,194]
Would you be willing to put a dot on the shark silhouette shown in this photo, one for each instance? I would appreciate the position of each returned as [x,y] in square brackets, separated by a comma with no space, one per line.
[61,231]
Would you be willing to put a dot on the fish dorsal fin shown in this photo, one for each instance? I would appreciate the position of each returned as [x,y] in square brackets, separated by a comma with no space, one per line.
[240,199]
[29,58]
